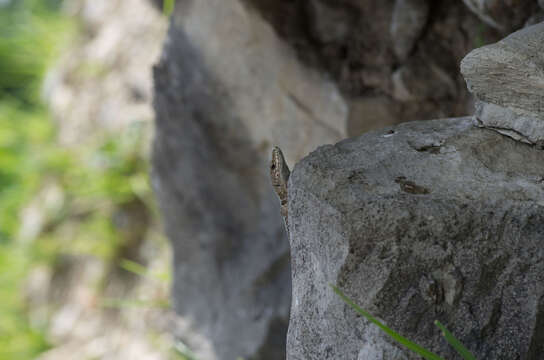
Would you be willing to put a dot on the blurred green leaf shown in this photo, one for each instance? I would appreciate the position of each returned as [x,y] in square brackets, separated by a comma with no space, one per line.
[184,351]
[168,7]
[124,303]
[133,267]
[31,34]
[140,270]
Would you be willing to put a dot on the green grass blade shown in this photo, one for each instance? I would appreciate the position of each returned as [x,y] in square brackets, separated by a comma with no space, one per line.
[133,267]
[140,270]
[168,7]
[456,344]
[133,303]
[402,340]
[184,351]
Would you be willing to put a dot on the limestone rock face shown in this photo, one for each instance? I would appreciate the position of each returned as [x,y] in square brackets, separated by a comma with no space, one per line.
[436,220]
[226,92]
[508,80]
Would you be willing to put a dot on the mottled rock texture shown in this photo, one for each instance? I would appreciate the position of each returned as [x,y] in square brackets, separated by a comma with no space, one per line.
[384,49]
[409,20]
[507,78]
[424,221]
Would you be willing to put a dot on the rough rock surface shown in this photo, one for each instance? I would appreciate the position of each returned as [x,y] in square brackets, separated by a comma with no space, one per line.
[424,221]
[226,92]
[508,80]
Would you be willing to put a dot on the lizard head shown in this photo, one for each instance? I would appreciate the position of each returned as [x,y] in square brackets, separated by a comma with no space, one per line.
[279,172]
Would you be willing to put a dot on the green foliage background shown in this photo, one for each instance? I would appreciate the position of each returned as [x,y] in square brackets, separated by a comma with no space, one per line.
[28,42]
[94,178]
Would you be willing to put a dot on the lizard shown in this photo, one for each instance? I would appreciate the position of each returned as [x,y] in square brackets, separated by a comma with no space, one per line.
[279,175]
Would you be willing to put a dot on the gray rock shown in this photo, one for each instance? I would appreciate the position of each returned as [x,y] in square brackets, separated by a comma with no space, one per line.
[329,23]
[371,113]
[507,79]
[227,90]
[519,126]
[409,19]
[436,220]
[421,80]
[536,18]
[505,16]
[354,43]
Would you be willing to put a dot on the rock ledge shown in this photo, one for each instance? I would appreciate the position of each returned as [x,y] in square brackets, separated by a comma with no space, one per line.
[424,221]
